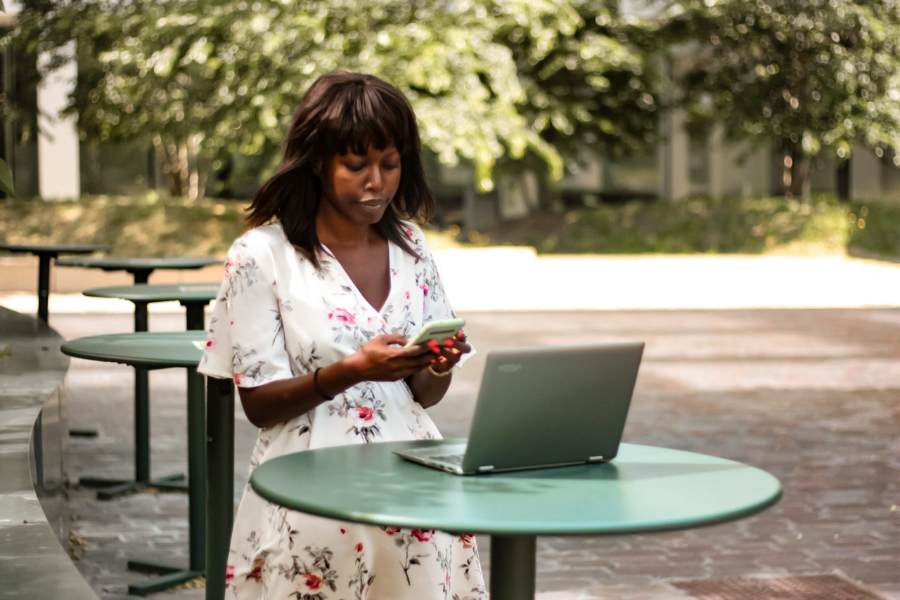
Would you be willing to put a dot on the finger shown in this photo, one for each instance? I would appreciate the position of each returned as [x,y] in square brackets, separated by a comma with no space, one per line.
[391,338]
[461,347]
[413,351]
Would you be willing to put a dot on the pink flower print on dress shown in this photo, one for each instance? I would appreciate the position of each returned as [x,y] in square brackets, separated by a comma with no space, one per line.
[407,295]
[467,539]
[256,571]
[229,573]
[342,315]
[209,344]
[359,547]
[423,535]
[366,413]
[408,232]
[392,530]
[312,582]
[343,530]
[424,287]
[237,379]
[229,264]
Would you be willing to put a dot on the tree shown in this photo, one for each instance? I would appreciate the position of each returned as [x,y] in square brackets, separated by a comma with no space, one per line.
[204,78]
[814,75]
[590,80]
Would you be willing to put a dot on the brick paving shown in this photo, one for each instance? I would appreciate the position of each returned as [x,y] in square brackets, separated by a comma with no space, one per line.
[812,396]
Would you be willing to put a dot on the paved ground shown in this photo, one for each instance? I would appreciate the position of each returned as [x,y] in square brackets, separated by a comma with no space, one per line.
[504,279]
[811,395]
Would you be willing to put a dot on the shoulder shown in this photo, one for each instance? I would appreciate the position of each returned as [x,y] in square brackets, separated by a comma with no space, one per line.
[412,232]
[256,249]
[259,244]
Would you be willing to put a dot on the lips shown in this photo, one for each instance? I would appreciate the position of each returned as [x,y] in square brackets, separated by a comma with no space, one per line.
[372,201]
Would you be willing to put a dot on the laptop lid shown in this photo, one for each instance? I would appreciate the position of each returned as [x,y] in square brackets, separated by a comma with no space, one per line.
[552,405]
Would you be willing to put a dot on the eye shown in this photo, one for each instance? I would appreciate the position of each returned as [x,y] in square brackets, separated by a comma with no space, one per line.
[391,165]
[355,166]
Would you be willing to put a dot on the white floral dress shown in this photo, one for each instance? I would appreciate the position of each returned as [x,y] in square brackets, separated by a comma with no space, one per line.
[276,317]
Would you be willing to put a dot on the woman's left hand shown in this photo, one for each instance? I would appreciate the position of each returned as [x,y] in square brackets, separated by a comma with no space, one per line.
[448,353]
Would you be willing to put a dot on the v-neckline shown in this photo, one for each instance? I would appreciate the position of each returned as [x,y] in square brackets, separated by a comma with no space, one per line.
[355,288]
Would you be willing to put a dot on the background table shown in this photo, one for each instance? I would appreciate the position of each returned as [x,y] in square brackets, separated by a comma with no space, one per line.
[45,252]
[644,489]
[210,467]
[140,268]
[194,297]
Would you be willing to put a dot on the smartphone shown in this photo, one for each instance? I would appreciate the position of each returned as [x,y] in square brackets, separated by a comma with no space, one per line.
[437,331]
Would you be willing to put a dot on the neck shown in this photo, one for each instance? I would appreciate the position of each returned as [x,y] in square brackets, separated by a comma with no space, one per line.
[333,230]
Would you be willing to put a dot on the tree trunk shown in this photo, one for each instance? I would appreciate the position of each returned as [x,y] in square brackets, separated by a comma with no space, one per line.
[796,174]
[843,181]
[170,156]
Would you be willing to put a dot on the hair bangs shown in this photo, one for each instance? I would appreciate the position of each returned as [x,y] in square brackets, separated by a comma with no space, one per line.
[366,116]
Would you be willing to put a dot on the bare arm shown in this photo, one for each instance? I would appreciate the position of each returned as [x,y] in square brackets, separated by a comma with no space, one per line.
[382,359]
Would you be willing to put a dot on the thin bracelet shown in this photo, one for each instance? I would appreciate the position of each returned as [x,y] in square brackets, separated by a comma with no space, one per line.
[439,373]
[316,385]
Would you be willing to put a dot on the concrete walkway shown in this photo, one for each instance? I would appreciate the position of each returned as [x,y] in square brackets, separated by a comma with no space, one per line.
[809,394]
[504,279]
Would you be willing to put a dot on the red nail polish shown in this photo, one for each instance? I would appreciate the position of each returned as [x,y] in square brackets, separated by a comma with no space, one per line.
[448,343]
[460,335]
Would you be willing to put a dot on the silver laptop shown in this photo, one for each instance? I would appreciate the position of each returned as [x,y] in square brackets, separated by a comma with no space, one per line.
[544,407]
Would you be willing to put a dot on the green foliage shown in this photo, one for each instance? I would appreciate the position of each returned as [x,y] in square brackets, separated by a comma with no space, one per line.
[589,79]
[817,75]
[487,78]
[133,226]
[699,225]
[155,226]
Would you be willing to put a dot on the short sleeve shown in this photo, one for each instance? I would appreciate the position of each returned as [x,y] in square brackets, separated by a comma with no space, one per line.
[245,339]
[436,305]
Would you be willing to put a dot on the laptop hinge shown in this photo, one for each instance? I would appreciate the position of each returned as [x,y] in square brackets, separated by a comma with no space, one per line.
[594,459]
[485,468]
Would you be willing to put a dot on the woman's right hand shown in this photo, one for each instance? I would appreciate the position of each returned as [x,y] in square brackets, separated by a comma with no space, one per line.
[385,359]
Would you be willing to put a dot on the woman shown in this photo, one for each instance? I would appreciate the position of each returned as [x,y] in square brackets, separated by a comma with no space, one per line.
[310,323]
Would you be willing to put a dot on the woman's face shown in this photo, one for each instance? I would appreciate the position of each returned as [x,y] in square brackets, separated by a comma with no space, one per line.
[360,187]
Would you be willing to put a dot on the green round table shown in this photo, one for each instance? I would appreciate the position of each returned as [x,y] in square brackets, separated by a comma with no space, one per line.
[210,460]
[140,268]
[194,297]
[644,489]
[45,252]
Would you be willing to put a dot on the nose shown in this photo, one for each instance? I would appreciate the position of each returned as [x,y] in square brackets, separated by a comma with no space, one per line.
[375,179]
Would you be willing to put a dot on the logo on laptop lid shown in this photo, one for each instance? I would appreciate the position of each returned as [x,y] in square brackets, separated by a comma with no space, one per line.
[510,368]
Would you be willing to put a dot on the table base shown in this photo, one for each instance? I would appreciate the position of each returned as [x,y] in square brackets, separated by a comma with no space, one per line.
[113,488]
[83,433]
[170,576]
[512,567]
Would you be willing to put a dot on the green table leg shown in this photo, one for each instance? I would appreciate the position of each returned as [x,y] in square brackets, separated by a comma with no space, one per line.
[220,499]
[512,567]
[194,311]
[197,501]
[43,287]
[196,468]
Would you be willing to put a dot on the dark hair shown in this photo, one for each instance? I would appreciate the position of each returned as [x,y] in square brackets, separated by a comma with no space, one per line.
[343,112]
